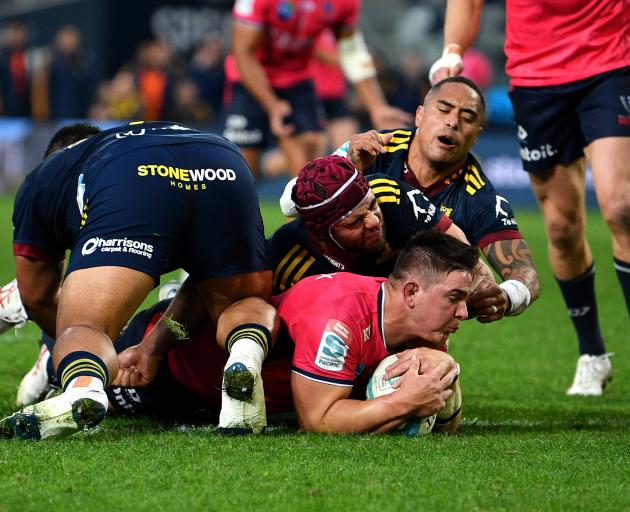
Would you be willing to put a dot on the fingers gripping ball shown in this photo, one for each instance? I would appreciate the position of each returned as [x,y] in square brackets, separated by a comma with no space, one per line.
[378,386]
[447,419]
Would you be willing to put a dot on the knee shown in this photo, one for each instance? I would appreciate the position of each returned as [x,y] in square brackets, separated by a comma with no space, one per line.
[616,213]
[566,232]
[35,299]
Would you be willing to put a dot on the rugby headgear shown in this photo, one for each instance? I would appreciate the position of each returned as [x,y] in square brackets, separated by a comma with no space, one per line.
[327,189]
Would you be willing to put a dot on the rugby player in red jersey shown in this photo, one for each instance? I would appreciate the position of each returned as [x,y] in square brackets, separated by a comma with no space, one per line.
[569,70]
[270,75]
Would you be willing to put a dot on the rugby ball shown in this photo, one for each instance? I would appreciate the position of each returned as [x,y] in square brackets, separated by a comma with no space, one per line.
[378,386]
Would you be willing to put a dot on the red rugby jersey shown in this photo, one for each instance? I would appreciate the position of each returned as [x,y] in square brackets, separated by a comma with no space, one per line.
[553,42]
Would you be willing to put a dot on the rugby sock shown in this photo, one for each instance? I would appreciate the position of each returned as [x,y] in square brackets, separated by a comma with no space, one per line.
[579,297]
[623,274]
[81,364]
[249,341]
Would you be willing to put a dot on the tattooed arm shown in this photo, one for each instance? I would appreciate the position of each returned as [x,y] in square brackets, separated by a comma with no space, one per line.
[512,260]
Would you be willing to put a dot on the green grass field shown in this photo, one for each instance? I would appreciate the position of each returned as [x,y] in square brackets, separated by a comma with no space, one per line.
[523,445]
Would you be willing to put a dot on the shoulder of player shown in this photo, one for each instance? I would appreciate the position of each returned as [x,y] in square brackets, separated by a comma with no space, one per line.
[401,138]
[292,256]
[385,188]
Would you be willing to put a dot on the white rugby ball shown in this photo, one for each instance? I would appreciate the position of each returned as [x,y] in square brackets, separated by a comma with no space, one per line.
[378,386]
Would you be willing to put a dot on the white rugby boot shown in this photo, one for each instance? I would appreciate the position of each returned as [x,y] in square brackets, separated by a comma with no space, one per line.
[12,312]
[591,375]
[70,412]
[243,408]
[35,384]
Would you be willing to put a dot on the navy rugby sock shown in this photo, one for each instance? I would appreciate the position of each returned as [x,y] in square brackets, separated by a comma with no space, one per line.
[255,332]
[80,363]
[623,274]
[579,296]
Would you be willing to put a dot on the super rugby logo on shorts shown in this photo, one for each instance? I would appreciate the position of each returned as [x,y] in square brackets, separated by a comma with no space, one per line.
[186,179]
[333,346]
[117,245]
[625,119]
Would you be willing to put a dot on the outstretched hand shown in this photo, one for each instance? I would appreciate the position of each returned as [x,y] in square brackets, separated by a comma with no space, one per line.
[365,147]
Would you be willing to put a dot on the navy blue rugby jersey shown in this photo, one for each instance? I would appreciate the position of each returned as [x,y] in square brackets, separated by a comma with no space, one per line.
[467,197]
[49,205]
[405,211]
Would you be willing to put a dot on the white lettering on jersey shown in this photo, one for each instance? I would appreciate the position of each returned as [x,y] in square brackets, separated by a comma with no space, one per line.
[331,355]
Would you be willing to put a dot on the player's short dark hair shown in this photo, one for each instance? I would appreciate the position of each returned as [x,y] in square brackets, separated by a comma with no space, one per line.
[431,255]
[70,134]
[462,80]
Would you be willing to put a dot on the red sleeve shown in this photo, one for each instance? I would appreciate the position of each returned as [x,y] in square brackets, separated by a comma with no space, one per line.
[326,347]
[348,14]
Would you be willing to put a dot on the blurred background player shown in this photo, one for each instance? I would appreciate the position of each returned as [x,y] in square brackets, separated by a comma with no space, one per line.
[435,159]
[269,72]
[332,89]
[570,89]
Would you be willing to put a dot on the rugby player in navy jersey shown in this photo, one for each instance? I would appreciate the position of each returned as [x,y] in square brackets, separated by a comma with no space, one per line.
[132,203]
[435,158]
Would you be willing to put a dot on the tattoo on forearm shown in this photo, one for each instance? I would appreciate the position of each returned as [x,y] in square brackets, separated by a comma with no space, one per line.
[512,259]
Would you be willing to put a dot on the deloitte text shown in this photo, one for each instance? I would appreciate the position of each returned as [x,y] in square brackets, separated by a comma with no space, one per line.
[117,245]
[533,155]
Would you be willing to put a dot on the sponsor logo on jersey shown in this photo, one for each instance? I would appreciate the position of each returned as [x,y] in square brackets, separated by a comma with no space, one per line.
[521,133]
[333,346]
[446,210]
[186,179]
[506,218]
[125,245]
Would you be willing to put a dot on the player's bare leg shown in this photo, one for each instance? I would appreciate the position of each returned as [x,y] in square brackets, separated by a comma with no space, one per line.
[252,157]
[561,194]
[93,308]
[300,149]
[245,328]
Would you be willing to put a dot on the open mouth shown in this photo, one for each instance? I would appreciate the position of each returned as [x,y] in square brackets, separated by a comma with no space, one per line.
[447,141]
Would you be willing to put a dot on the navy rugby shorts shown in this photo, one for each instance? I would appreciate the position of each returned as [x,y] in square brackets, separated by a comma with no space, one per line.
[555,123]
[191,205]
[336,108]
[247,124]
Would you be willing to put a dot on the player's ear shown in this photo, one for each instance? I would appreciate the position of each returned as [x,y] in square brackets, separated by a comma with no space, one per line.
[419,114]
[410,291]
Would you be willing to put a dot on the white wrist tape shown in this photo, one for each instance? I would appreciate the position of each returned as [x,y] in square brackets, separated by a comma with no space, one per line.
[354,58]
[286,202]
[447,60]
[518,295]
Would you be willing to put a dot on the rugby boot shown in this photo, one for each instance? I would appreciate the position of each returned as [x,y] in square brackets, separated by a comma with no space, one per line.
[591,375]
[56,417]
[242,401]
[12,312]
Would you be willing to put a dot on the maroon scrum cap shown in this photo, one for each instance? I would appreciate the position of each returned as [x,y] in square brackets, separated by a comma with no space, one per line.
[326,190]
